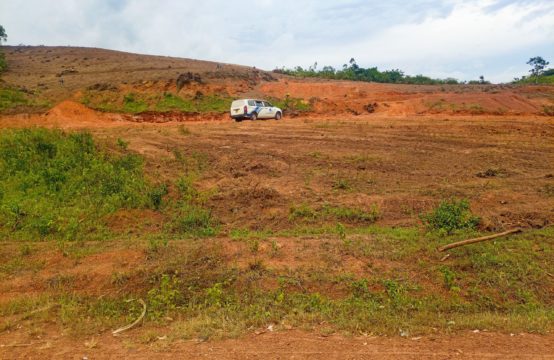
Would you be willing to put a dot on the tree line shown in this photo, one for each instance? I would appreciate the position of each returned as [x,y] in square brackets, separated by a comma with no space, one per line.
[352,71]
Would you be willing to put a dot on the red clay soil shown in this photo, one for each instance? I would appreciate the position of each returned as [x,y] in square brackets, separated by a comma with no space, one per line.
[338,97]
[291,344]
[67,114]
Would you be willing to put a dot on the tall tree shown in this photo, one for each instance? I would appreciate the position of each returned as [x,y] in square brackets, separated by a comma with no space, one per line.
[538,64]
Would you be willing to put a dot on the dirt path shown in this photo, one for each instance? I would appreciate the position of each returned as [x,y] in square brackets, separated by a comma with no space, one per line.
[289,345]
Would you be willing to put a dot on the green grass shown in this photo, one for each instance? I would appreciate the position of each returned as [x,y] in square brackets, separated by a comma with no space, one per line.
[213,103]
[135,103]
[132,104]
[327,212]
[499,286]
[502,286]
[170,102]
[12,99]
[56,185]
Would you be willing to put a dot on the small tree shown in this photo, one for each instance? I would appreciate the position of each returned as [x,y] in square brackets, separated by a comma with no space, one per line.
[538,64]
[3,35]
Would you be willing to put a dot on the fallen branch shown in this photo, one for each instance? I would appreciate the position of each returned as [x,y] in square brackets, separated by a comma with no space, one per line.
[46,308]
[23,345]
[134,323]
[475,240]
[16,345]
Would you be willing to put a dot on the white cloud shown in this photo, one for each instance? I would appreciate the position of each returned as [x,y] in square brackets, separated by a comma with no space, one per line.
[439,38]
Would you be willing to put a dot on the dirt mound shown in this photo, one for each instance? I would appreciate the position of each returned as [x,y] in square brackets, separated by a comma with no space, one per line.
[72,114]
[68,110]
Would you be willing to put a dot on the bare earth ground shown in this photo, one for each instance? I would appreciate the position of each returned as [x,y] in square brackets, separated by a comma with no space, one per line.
[423,143]
[400,164]
[264,167]
[294,345]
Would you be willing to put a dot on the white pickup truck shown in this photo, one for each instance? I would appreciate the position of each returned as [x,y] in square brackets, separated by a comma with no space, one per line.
[254,109]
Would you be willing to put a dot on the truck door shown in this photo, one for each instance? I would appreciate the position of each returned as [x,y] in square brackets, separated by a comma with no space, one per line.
[269,111]
[261,109]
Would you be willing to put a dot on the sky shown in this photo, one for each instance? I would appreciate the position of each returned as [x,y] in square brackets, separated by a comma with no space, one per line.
[450,38]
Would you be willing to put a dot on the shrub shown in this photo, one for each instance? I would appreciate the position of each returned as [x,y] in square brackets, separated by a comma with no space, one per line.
[123,145]
[292,104]
[450,216]
[157,194]
[449,278]
[165,297]
[215,295]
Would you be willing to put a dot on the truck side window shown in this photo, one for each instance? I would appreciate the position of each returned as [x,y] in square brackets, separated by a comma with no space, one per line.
[259,103]
[251,103]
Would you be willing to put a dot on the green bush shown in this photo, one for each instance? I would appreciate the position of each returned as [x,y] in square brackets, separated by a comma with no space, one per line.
[58,184]
[292,104]
[164,298]
[450,216]
[157,194]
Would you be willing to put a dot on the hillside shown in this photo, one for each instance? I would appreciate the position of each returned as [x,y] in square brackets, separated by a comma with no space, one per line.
[129,83]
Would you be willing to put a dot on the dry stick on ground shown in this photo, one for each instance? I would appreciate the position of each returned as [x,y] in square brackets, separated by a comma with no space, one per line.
[479,239]
[132,325]
[45,308]
[23,345]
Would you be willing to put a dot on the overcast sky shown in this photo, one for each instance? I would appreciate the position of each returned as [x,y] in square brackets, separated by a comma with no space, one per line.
[448,38]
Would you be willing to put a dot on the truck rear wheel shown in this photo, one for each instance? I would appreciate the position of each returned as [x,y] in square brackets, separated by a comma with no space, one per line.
[254,116]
